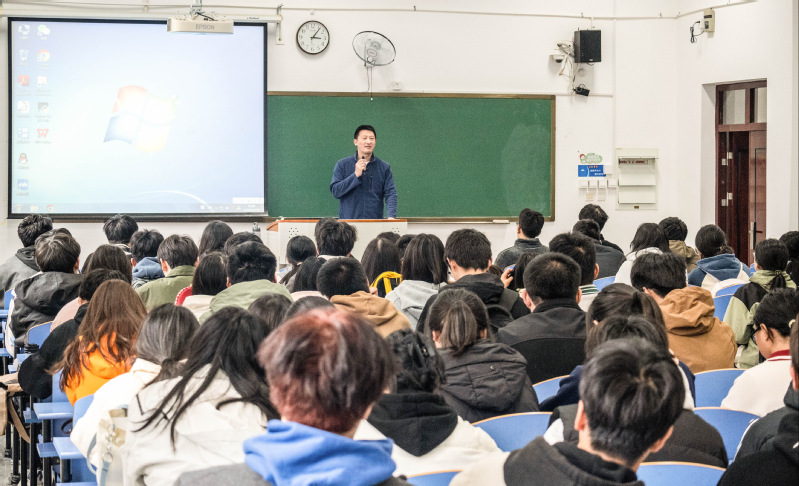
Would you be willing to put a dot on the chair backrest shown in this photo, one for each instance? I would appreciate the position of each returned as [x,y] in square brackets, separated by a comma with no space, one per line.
[514,431]
[442,478]
[670,473]
[81,405]
[547,388]
[713,386]
[721,304]
[727,287]
[38,333]
[389,280]
[731,424]
[58,394]
[550,357]
[9,295]
[604,282]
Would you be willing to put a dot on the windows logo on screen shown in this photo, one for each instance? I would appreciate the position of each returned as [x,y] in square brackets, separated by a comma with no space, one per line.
[141,119]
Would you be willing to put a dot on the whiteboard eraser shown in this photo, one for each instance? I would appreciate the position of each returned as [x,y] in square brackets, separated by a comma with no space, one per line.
[504,221]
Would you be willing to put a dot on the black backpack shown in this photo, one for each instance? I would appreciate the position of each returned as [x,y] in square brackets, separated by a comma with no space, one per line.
[500,312]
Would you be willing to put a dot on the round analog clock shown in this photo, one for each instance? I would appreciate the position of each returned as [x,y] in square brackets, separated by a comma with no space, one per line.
[313,37]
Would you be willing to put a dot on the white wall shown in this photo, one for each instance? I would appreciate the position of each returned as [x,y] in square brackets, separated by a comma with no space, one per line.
[648,91]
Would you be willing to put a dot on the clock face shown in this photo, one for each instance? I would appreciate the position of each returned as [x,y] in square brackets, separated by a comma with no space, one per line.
[313,37]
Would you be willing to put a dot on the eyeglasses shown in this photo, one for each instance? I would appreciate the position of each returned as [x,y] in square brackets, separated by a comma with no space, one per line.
[754,334]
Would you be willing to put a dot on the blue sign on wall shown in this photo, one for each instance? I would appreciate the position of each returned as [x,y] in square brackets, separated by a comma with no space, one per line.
[591,171]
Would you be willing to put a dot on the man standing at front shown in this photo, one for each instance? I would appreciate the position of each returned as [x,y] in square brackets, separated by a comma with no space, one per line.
[362,181]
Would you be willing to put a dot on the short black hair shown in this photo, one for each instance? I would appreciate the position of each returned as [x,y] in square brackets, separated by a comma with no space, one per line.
[552,276]
[251,261]
[791,240]
[620,327]
[592,211]
[620,299]
[336,238]
[299,248]
[776,311]
[31,227]
[531,222]
[380,255]
[178,250]
[468,248]
[659,272]
[92,280]
[632,393]
[424,260]
[390,235]
[341,276]
[581,249]
[210,276]
[649,235]
[119,228]
[675,228]
[214,236]
[239,238]
[145,243]
[56,251]
[305,304]
[589,228]
[305,278]
[270,309]
[711,241]
[364,127]
[111,257]
[525,257]
[402,243]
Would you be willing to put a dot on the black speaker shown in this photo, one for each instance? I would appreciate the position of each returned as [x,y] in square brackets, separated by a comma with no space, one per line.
[588,46]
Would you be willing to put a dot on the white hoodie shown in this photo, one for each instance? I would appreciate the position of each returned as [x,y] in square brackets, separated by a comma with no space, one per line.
[410,296]
[623,275]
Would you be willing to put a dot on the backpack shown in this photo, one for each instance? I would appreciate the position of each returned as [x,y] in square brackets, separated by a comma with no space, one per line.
[500,312]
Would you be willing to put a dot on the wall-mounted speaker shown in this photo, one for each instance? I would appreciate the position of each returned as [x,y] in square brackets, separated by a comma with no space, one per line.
[588,46]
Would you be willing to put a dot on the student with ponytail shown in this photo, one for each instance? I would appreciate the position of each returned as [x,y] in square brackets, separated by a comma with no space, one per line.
[458,322]
[717,260]
[771,259]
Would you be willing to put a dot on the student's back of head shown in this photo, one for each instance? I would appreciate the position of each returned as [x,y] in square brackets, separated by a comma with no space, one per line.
[93,279]
[658,272]
[551,276]
[390,236]
[649,235]
[674,228]
[791,240]
[57,252]
[622,300]
[531,222]
[113,258]
[469,248]
[145,243]
[341,276]
[210,277]
[305,278]
[424,260]
[335,238]
[31,227]
[588,227]
[178,250]
[165,338]
[419,368]
[620,327]
[271,309]
[631,393]
[306,304]
[579,248]
[381,255]
[299,248]
[214,236]
[239,238]
[711,241]
[251,261]
[458,319]
[118,229]
[772,255]
[594,212]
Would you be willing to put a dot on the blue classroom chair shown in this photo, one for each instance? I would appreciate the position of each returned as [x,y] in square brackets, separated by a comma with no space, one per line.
[547,388]
[38,333]
[731,424]
[728,290]
[721,303]
[604,282]
[516,430]
[671,473]
[67,451]
[712,386]
[442,478]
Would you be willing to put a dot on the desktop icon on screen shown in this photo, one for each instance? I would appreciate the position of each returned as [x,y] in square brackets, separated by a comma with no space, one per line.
[44,55]
[41,81]
[141,119]
[44,108]
[23,80]
[24,29]
[23,159]
[23,106]
[23,133]
[42,132]
[23,55]
[22,185]
[42,30]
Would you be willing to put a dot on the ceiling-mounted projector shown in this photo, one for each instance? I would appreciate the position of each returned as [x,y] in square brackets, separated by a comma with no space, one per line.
[198,22]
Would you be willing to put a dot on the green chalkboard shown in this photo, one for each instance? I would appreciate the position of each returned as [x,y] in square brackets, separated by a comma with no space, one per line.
[453,156]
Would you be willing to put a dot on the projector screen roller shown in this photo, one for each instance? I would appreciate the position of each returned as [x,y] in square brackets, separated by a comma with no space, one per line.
[113,117]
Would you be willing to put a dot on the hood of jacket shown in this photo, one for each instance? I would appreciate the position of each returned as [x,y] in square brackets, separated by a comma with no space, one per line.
[721,267]
[487,286]
[764,278]
[380,311]
[149,268]
[678,247]
[25,255]
[243,294]
[413,295]
[417,422]
[48,292]
[292,454]
[643,251]
[496,392]
[689,310]
[787,439]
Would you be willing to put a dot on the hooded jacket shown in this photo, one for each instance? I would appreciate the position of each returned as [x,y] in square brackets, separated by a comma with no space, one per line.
[509,256]
[696,337]
[709,271]
[691,256]
[741,312]
[487,380]
[164,290]
[243,294]
[18,267]
[410,296]
[760,434]
[40,297]
[147,270]
[428,435]
[382,313]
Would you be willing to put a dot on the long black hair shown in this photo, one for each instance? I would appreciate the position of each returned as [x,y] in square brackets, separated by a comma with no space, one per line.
[649,235]
[227,342]
[772,255]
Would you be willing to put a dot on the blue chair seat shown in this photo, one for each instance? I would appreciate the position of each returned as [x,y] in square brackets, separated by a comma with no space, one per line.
[65,449]
[721,303]
[46,449]
[547,388]
[671,473]
[515,431]
[53,411]
[30,417]
[731,424]
[87,483]
[4,353]
[604,282]
[713,386]
[433,479]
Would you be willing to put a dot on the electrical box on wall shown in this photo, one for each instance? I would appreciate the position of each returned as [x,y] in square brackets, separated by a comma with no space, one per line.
[637,178]
[709,20]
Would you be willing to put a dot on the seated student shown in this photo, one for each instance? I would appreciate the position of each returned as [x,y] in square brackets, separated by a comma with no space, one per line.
[389,235]
[178,255]
[468,255]
[334,238]
[596,213]
[305,280]
[34,373]
[717,261]
[696,337]
[298,249]
[552,337]
[22,264]
[693,440]
[791,240]
[161,345]
[239,238]
[118,229]
[104,345]
[676,231]
[631,396]
[306,304]
[771,258]
[381,255]
[343,282]
[40,297]
[517,274]
[609,259]
[326,369]
[779,463]
[214,236]
[761,389]
[527,230]
[144,256]
[424,273]
[583,251]
[402,243]
[251,274]
[201,417]
[208,280]
[649,238]
[484,379]
[428,435]
[271,309]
